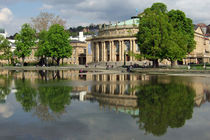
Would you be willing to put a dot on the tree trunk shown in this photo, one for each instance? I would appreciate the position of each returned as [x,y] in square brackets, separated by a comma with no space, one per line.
[45,61]
[12,61]
[173,63]
[58,61]
[155,63]
[23,59]
[53,61]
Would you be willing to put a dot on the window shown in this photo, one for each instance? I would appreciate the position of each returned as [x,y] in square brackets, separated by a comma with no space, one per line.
[127,45]
[108,47]
[117,46]
[137,47]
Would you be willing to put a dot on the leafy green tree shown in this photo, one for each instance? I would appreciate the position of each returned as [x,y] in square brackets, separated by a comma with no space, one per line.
[24,41]
[163,105]
[183,36]
[43,47]
[165,35]
[5,47]
[154,32]
[59,43]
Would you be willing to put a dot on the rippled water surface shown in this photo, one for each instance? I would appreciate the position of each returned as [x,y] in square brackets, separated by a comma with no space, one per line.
[64,105]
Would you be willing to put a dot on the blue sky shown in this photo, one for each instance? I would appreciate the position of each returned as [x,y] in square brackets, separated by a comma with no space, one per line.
[25,9]
[14,13]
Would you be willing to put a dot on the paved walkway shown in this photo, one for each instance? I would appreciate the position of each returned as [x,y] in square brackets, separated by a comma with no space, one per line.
[102,69]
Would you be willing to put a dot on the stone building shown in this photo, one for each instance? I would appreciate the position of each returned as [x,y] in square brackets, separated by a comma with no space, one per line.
[80,53]
[114,42]
[201,53]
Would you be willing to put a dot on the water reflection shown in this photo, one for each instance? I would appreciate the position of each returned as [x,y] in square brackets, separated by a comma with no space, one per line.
[155,103]
[4,87]
[47,101]
[163,105]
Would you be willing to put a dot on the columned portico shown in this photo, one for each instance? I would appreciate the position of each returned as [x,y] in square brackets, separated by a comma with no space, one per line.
[114,42]
[114,50]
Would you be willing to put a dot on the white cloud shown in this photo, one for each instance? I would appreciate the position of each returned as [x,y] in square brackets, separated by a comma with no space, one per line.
[84,12]
[112,10]
[5,15]
[46,7]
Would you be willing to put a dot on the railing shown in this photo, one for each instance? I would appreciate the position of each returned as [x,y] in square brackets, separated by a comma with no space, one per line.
[111,27]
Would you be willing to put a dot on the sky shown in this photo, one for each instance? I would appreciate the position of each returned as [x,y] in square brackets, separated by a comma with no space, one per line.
[14,13]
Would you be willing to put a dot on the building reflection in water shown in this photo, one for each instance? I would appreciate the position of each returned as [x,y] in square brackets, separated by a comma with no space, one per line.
[155,102]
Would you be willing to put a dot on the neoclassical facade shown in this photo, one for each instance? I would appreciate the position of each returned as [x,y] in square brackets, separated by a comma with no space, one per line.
[115,41]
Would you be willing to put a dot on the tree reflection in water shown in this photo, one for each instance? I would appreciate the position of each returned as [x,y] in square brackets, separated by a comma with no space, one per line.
[5,82]
[26,94]
[163,105]
[48,101]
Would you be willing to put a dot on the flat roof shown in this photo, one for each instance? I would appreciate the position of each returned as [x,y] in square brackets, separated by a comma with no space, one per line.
[128,22]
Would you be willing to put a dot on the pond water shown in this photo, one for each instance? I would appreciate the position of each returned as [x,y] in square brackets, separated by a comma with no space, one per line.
[63,105]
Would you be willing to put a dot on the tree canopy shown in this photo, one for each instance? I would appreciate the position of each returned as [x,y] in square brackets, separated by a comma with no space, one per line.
[43,47]
[5,47]
[24,41]
[59,43]
[164,35]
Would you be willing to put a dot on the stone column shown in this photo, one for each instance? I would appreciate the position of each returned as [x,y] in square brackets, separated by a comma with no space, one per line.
[111,50]
[92,50]
[97,52]
[131,50]
[114,52]
[102,51]
[105,52]
[123,50]
[134,48]
[120,46]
